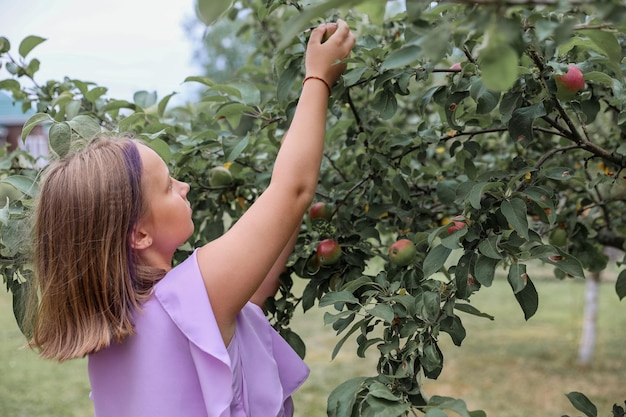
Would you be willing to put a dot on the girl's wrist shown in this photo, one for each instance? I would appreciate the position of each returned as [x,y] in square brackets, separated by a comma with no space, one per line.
[316,78]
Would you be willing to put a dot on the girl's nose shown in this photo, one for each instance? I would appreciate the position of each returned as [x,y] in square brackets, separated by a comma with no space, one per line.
[184,187]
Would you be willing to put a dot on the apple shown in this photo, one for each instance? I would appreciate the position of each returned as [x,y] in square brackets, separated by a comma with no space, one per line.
[558,237]
[458,223]
[330,29]
[220,177]
[574,80]
[456,66]
[402,252]
[328,252]
[320,210]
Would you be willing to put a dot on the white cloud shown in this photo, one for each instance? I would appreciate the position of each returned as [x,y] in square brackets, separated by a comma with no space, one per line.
[124,45]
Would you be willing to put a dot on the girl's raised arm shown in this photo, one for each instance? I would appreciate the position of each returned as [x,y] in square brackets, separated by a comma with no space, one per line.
[234,265]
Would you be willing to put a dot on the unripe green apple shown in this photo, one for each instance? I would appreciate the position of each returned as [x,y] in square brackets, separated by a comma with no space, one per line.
[402,252]
[220,177]
[328,252]
[558,237]
[320,210]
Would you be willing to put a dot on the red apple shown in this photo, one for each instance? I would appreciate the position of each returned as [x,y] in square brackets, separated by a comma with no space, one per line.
[456,66]
[574,80]
[320,210]
[458,223]
[402,252]
[328,252]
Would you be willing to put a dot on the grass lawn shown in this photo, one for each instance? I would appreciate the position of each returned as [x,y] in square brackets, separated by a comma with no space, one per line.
[507,367]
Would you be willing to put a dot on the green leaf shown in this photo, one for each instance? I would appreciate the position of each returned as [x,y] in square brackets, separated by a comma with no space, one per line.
[374,9]
[498,64]
[232,112]
[345,337]
[385,103]
[145,99]
[60,137]
[600,78]
[285,81]
[454,327]
[29,43]
[489,247]
[163,104]
[161,148]
[556,256]
[342,399]
[5,45]
[448,403]
[521,123]
[300,21]
[582,403]
[333,298]
[450,106]
[432,360]
[86,126]
[620,284]
[24,184]
[517,277]
[208,11]
[401,57]
[401,187]
[477,191]
[528,299]
[234,146]
[10,85]
[485,270]
[435,412]
[198,79]
[559,173]
[379,390]
[5,213]
[515,212]
[95,93]
[33,121]
[485,99]
[470,309]
[435,259]
[295,341]
[383,311]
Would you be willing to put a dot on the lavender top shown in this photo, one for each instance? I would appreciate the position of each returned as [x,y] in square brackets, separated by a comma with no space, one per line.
[177,364]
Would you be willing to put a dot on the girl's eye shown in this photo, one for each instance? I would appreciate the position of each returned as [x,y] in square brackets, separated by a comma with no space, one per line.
[171,184]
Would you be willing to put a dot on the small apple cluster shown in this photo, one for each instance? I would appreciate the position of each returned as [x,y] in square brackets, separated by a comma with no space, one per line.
[328,251]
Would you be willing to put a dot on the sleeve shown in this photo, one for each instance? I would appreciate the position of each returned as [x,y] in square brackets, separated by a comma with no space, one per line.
[272,369]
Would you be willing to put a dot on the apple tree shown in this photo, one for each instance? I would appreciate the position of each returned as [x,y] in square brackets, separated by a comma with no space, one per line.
[465,138]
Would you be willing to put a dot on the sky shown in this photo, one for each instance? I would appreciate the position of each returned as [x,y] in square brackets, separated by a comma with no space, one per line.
[124,45]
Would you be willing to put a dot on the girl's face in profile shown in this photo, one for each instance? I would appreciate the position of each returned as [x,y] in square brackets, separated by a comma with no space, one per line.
[168,218]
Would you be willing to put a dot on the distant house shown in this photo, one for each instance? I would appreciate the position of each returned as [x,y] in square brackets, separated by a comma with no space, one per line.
[12,121]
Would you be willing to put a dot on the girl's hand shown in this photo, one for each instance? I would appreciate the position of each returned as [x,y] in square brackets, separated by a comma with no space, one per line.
[322,54]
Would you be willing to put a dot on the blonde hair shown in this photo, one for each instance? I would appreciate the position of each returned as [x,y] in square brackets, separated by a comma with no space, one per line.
[88,277]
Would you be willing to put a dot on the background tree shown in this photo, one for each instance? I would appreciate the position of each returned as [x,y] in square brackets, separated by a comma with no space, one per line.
[489,134]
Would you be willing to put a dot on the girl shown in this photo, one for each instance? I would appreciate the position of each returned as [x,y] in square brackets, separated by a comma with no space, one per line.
[183,341]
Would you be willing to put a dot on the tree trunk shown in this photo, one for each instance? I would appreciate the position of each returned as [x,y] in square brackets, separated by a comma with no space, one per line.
[590,319]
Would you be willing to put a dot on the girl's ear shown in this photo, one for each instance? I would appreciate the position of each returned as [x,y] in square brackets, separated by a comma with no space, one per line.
[140,239]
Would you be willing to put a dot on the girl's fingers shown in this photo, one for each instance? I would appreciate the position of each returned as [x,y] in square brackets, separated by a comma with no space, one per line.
[317,34]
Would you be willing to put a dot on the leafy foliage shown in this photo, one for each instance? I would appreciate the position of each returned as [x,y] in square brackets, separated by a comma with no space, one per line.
[413,141]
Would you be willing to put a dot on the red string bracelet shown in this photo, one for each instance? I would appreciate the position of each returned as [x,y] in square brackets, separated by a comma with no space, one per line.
[314,77]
